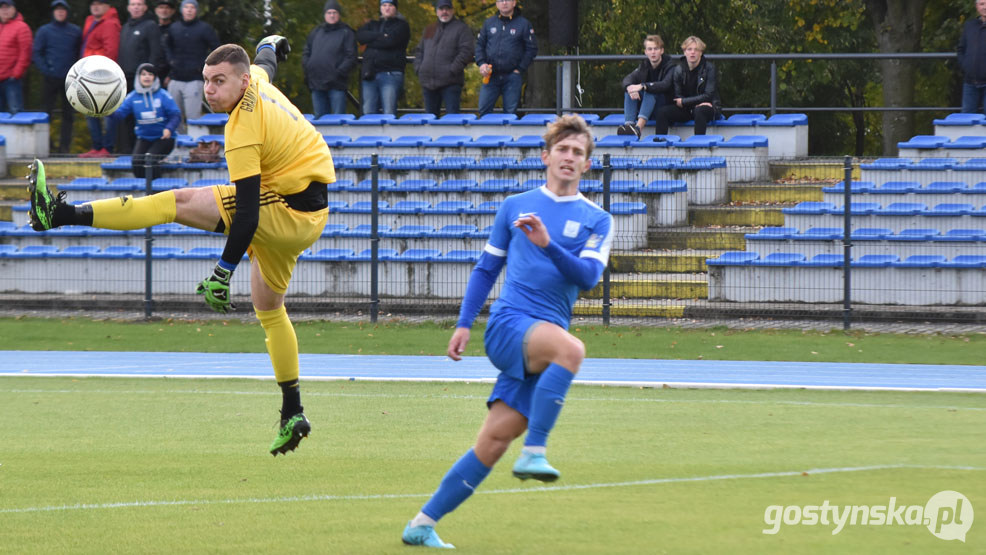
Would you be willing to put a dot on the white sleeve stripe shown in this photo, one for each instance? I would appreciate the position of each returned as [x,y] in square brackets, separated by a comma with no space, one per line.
[494,251]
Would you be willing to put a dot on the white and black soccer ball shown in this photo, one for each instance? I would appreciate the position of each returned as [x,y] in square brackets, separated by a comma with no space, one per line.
[95,86]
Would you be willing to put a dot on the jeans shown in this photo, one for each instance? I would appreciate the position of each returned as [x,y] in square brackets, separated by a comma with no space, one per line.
[53,89]
[450,95]
[100,138]
[380,95]
[973,98]
[332,101]
[151,153]
[11,96]
[188,96]
[645,108]
[507,85]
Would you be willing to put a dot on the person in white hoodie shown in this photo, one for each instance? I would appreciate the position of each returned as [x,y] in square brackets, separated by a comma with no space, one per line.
[157,116]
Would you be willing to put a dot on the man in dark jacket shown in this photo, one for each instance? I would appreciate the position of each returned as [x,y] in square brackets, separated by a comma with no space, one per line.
[441,57]
[696,90]
[505,47]
[384,59]
[646,88]
[187,43]
[56,48]
[140,43]
[328,59]
[972,60]
[164,12]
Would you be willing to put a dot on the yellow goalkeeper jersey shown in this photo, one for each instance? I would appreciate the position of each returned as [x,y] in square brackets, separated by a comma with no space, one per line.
[268,135]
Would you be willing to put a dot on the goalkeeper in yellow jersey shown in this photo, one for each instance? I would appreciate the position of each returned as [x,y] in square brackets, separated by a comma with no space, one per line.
[275,208]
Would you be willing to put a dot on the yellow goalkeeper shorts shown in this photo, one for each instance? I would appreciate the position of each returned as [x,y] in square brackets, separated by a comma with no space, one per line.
[282,233]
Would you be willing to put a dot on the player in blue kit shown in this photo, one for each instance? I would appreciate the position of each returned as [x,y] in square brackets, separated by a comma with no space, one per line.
[554,242]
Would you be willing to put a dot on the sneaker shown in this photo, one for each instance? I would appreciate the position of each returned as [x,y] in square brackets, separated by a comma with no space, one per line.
[43,204]
[290,435]
[534,466]
[102,153]
[93,153]
[625,129]
[423,535]
[635,130]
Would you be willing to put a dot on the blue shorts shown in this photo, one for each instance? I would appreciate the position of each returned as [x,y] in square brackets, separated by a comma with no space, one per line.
[505,341]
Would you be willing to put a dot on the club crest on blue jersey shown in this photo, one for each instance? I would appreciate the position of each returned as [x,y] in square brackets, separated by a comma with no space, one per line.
[571,228]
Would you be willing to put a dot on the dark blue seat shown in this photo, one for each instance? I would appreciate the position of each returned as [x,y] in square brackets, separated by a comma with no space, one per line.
[661,163]
[529,163]
[860,208]
[967,142]
[964,235]
[407,207]
[409,232]
[625,185]
[537,120]
[612,120]
[336,141]
[928,164]
[363,207]
[495,163]
[700,141]
[77,251]
[370,140]
[615,140]
[456,185]
[960,119]
[810,208]
[414,186]
[366,185]
[363,231]
[624,162]
[780,259]
[744,141]
[497,186]
[450,207]
[591,186]
[334,119]
[166,252]
[83,184]
[663,186]
[741,120]
[329,255]
[407,163]
[488,207]
[382,254]
[733,258]
[784,120]
[704,163]
[452,163]
[495,120]
[34,251]
[124,184]
[124,251]
[334,230]
[627,208]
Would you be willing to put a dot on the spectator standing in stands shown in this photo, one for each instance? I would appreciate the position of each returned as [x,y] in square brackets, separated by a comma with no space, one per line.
[696,90]
[328,59]
[140,43]
[506,46]
[187,43]
[445,49]
[972,60]
[646,88]
[156,116]
[15,57]
[101,36]
[56,48]
[165,12]
[384,59]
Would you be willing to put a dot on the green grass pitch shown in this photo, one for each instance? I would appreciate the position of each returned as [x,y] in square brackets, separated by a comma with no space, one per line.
[180,466]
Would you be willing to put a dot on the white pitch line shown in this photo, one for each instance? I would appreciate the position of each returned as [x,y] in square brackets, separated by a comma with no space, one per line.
[537,489]
[484,397]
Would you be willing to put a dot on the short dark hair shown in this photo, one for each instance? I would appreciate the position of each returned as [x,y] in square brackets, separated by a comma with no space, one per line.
[232,53]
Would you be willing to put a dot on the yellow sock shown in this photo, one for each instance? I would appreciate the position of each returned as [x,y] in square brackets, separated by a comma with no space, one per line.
[134,213]
[282,343]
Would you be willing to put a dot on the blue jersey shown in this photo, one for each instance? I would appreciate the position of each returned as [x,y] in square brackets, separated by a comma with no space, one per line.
[534,285]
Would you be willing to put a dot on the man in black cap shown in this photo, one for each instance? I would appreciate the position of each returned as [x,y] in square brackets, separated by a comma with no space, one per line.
[165,12]
[140,43]
[55,49]
[444,51]
[328,59]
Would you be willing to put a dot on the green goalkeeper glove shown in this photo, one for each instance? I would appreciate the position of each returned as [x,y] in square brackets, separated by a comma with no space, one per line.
[216,290]
[278,44]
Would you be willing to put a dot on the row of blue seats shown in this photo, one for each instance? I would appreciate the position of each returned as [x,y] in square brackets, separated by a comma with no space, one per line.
[961,119]
[127,184]
[125,163]
[211,253]
[659,186]
[23,118]
[814,208]
[530,120]
[867,234]
[898,187]
[926,164]
[450,231]
[747,258]
[534,141]
[930,142]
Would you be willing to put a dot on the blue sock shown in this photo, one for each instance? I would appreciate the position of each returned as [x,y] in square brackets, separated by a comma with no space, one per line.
[549,397]
[457,485]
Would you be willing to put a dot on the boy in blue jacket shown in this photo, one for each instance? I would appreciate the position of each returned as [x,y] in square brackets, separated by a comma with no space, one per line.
[157,116]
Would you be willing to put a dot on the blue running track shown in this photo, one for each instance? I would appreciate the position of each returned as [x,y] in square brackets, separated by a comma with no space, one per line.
[656,373]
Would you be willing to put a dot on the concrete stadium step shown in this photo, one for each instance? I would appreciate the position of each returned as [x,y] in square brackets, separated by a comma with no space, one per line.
[637,308]
[699,238]
[777,192]
[747,216]
[810,169]
[653,286]
[683,262]
[68,167]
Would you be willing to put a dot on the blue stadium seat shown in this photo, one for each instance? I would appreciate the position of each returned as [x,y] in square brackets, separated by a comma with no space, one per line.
[928,164]
[699,141]
[871,233]
[419,255]
[488,207]
[822,233]
[784,120]
[898,187]
[209,182]
[340,185]
[409,232]
[490,141]
[625,185]
[612,120]
[495,163]
[497,186]
[168,183]
[455,231]
[83,184]
[452,163]
[77,251]
[773,233]
[382,254]
[407,163]
[493,119]
[409,141]
[336,141]
[529,163]
[454,119]
[456,185]
[536,120]
[7,250]
[334,119]
[623,162]
[460,255]
[334,230]
[6,226]
[945,187]
[413,119]
[960,119]
[810,208]
[627,208]
[166,252]
[615,140]
[661,163]
[964,235]
[703,163]
[780,259]
[904,209]
[875,260]
[120,163]
[363,207]
[951,209]
[329,255]
[859,208]
[855,187]
[407,207]
[125,184]
[415,186]
[527,141]
[370,140]
[663,186]
[744,141]
[733,258]
[450,141]
[825,260]
[887,164]
[450,207]
[211,119]
[921,261]
[124,251]
[591,186]
[535,183]
[372,120]
[741,120]
[914,234]
[966,142]
[967,261]
[923,142]
[34,251]
[363,231]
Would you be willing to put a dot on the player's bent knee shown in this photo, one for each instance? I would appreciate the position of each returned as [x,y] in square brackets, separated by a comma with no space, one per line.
[571,353]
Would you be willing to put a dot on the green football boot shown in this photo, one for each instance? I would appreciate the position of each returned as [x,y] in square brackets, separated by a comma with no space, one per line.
[292,431]
[43,204]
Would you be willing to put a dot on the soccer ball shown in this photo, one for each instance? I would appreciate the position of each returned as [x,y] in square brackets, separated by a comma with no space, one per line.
[95,86]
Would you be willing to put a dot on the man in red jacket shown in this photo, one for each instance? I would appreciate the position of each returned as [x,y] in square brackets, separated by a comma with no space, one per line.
[15,56]
[101,35]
